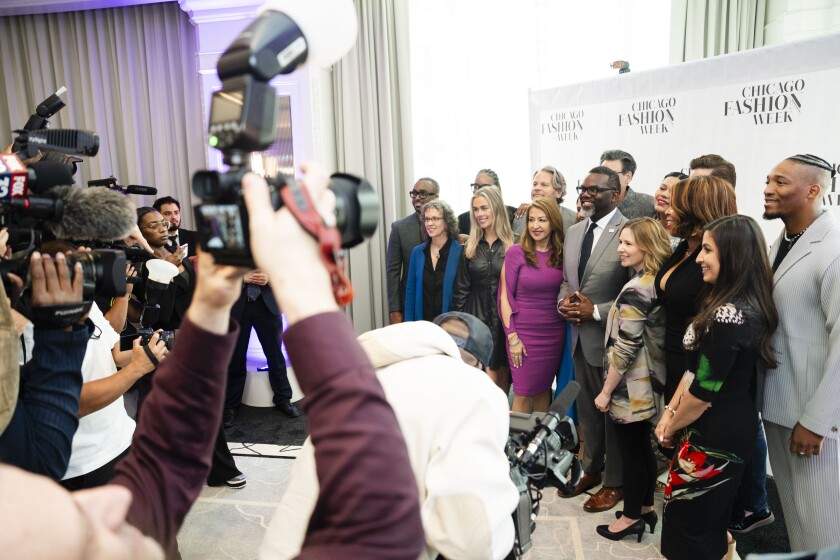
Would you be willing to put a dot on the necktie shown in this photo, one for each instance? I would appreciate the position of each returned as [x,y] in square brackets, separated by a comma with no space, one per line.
[586,250]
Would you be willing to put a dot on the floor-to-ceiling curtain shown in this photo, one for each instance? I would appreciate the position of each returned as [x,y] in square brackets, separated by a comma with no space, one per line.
[373,139]
[131,78]
[704,28]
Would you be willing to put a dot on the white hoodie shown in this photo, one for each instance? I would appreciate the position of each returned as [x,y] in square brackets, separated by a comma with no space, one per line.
[455,423]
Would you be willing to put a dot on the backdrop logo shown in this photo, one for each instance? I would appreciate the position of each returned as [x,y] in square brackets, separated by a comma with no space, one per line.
[768,103]
[832,197]
[652,116]
[565,125]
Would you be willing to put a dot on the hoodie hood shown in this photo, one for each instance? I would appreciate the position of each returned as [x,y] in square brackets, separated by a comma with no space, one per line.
[403,341]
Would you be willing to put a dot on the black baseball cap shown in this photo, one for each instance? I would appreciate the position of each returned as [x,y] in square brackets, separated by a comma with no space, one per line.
[480,341]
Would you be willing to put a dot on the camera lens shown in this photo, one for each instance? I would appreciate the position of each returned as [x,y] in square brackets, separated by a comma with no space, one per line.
[356,208]
[103,272]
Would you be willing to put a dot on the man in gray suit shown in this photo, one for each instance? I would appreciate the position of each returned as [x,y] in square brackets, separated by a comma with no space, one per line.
[593,277]
[631,203]
[800,409]
[406,234]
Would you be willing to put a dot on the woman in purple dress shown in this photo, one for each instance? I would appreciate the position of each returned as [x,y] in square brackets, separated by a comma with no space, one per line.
[531,278]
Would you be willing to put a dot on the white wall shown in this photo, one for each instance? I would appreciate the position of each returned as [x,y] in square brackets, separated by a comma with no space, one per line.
[474,61]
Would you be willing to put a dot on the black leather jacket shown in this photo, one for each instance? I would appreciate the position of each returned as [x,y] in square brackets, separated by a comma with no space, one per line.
[477,283]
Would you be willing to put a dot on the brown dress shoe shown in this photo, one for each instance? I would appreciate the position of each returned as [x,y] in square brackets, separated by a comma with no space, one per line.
[604,499]
[587,481]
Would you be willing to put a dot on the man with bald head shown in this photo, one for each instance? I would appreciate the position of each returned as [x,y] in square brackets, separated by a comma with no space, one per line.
[406,234]
[800,409]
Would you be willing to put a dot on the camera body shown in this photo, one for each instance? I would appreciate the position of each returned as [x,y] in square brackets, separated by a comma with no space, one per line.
[168,337]
[243,119]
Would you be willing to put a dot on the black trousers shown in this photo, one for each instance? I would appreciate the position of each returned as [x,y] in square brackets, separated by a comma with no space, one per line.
[268,327]
[99,477]
[222,466]
[638,466]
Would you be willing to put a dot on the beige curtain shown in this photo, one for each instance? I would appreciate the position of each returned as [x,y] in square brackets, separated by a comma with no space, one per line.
[371,89]
[704,28]
[131,78]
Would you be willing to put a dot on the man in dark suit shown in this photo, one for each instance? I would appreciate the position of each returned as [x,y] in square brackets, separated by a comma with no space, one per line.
[630,203]
[170,209]
[406,234]
[593,277]
[257,308]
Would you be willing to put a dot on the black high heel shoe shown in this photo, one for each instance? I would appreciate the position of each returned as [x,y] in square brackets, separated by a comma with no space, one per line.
[637,528]
[650,518]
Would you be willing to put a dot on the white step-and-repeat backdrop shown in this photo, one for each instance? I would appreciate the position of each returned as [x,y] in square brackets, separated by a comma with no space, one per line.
[754,108]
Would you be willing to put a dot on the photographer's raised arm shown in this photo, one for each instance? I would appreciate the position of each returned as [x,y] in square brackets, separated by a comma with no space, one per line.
[170,453]
[40,433]
[363,468]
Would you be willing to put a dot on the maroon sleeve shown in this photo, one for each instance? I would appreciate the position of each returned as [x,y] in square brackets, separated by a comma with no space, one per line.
[368,505]
[170,453]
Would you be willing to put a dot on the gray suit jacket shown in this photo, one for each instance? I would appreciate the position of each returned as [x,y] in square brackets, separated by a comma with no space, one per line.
[602,281]
[806,289]
[637,205]
[405,236]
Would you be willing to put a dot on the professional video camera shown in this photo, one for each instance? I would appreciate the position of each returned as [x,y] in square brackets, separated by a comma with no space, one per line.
[541,451]
[40,197]
[243,116]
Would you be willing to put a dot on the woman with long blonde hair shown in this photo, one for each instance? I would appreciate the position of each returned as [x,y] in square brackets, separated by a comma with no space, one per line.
[477,282]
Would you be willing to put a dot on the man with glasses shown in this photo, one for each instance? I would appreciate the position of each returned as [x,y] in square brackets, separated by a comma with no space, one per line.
[484,178]
[406,234]
[631,203]
[593,277]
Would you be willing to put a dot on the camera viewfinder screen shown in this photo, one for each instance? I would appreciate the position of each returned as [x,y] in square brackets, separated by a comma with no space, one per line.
[227,106]
[224,226]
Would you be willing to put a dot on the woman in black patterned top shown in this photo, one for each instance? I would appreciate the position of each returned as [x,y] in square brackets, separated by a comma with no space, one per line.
[711,421]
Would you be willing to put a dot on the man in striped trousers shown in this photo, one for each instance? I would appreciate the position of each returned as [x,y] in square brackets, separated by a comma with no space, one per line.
[801,410]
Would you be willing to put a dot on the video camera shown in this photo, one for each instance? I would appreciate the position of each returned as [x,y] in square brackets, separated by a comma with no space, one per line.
[243,116]
[541,451]
[39,198]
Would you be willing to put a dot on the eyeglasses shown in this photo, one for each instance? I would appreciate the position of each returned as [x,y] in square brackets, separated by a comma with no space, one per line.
[476,186]
[422,195]
[157,225]
[433,219]
[592,191]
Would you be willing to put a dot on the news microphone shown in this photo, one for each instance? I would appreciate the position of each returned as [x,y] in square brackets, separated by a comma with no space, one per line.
[140,189]
[556,412]
[14,177]
[111,183]
[98,214]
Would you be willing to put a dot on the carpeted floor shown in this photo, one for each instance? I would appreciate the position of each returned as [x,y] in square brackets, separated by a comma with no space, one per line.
[771,538]
[268,425]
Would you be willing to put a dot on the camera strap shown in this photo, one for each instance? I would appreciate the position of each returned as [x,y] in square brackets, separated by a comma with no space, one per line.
[297,199]
[59,316]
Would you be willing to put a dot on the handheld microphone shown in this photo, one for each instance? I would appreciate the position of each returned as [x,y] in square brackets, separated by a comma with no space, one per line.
[550,421]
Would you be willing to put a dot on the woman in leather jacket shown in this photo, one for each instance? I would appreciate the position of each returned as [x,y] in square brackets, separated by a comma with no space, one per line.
[477,283]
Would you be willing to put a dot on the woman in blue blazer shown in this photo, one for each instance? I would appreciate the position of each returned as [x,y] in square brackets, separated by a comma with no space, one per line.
[433,265]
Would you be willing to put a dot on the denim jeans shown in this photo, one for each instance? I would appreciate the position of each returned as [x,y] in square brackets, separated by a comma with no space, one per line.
[752,493]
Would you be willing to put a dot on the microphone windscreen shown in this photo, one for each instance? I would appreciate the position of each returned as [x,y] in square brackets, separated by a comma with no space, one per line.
[561,404]
[329,26]
[96,214]
[49,174]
